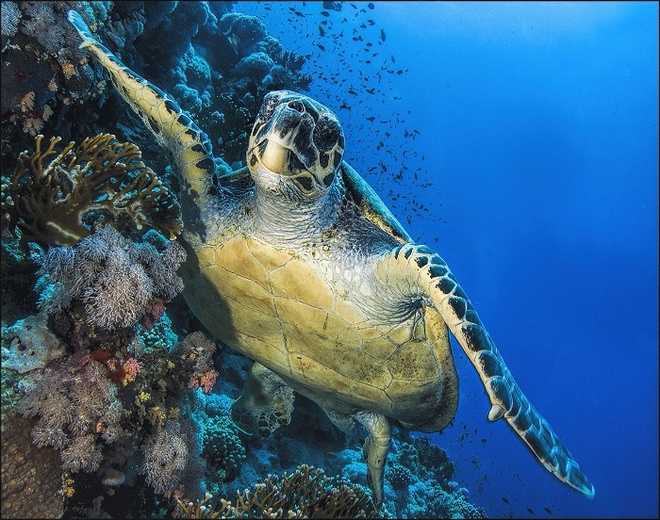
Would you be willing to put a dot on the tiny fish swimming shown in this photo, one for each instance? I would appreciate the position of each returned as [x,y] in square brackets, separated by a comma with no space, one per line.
[295,262]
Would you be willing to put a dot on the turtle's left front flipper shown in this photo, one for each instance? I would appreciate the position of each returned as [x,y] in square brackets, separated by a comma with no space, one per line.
[430,279]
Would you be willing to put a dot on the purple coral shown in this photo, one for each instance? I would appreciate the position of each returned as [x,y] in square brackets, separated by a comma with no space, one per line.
[70,403]
[111,276]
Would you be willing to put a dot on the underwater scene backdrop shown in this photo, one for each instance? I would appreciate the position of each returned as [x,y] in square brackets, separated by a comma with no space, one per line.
[518,140]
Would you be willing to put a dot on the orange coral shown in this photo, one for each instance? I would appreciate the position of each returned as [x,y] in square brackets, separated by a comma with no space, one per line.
[57,198]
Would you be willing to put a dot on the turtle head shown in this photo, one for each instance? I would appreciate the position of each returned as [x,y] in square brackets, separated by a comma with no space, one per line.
[296,145]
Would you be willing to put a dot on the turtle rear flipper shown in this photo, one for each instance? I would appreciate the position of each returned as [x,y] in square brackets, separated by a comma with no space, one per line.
[190,147]
[265,404]
[430,279]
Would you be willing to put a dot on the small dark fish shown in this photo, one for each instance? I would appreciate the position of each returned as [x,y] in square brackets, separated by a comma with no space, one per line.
[370,90]
[370,119]
[531,511]
[321,31]
[505,500]
[547,510]
[331,454]
[351,91]
[320,46]
[370,5]
[382,35]
[325,13]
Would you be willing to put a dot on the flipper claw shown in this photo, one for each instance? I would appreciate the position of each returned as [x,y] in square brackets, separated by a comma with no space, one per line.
[496,411]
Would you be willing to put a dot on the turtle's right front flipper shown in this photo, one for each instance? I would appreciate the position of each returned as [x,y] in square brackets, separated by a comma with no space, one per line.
[428,277]
[190,147]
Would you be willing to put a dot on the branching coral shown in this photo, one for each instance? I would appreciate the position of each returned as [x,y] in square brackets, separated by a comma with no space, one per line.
[58,197]
[434,460]
[114,278]
[305,493]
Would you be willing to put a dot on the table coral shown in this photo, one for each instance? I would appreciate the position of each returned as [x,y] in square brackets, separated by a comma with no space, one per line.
[58,197]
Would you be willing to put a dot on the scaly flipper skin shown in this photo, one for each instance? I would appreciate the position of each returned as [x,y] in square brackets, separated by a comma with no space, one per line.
[376,447]
[190,147]
[432,280]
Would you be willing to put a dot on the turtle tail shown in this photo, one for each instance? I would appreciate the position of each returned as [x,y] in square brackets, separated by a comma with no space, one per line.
[190,147]
[439,286]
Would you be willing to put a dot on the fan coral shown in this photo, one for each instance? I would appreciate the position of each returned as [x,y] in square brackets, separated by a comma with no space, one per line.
[305,493]
[165,456]
[59,200]
[10,16]
[114,278]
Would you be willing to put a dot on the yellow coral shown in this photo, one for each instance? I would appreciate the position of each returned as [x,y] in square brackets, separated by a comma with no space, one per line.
[156,417]
[56,198]
[67,490]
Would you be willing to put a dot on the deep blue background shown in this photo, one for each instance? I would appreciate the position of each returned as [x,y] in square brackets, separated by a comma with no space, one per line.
[530,134]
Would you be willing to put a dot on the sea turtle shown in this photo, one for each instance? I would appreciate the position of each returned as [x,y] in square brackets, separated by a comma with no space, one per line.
[295,262]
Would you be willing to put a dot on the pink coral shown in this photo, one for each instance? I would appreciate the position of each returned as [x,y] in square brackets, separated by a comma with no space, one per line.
[205,381]
[131,369]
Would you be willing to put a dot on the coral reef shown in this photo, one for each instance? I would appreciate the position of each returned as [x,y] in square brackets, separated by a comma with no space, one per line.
[304,493]
[114,280]
[223,450]
[58,198]
[28,344]
[165,456]
[128,411]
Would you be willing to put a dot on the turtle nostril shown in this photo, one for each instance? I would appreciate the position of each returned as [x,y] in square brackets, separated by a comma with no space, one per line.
[296,105]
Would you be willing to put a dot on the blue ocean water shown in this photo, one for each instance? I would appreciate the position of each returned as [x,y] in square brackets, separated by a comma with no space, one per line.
[519,140]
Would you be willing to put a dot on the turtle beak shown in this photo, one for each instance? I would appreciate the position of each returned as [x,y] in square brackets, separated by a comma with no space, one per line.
[274,156]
